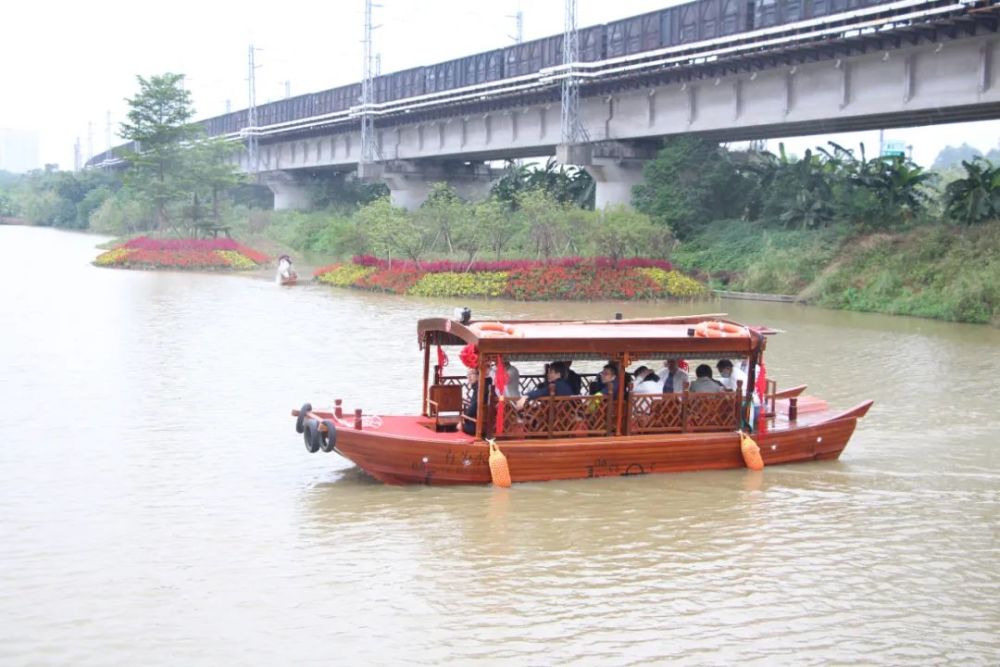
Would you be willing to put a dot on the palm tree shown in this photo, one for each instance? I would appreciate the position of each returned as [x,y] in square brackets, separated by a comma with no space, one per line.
[975,198]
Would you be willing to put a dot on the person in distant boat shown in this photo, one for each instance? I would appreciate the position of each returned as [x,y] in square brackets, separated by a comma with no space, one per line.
[646,381]
[285,271]
[675,380]
[513,389]
[554,377]
[704,382]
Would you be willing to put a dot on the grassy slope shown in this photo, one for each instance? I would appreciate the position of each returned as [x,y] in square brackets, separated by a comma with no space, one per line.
[938,272]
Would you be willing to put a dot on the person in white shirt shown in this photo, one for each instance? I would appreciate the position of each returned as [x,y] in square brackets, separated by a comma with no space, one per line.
[285,270]
[513,389]
[674,379]
[704,382]
[728,378]
[646,381]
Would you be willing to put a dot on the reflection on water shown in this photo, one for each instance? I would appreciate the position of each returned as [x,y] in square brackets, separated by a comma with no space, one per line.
[159,508]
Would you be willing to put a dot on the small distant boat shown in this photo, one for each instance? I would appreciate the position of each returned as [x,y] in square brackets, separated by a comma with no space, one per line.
[289,280]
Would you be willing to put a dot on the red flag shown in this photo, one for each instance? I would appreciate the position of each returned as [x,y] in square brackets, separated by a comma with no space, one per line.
[442,358]
[501,379]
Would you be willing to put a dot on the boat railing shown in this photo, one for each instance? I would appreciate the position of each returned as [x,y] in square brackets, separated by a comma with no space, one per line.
[683,412]
[557,416]
[526,383]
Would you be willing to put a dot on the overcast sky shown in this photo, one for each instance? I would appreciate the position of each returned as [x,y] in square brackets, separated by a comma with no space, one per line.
[64,65]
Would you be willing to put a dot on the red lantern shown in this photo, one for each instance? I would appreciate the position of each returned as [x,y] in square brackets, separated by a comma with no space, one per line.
[469,356]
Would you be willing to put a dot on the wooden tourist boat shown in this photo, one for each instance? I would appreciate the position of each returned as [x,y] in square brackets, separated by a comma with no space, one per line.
[568,437]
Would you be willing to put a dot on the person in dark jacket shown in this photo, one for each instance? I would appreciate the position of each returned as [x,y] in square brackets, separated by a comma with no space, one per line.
[574,381]
[555,377]
[472,409]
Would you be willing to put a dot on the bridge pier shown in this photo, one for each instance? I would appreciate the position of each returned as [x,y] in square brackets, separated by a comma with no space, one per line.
[290,191]
[410,182]
[615,166]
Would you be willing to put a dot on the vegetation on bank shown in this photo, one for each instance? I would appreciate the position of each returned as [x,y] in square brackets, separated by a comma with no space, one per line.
[834,226]
[567,278]
[196,254]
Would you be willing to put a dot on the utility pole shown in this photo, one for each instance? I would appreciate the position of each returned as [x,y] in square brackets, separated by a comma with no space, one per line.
[107,132]
[518,35]
[77,158]
[288,89]
[378,64]
[90,139]
[570,118]
[253,158]
[367,121]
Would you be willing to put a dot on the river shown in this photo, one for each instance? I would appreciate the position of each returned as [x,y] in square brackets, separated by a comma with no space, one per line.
[157,507]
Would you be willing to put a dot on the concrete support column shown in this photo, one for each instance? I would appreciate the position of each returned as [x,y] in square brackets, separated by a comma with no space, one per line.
[614,180]
[410,182]
[289,192]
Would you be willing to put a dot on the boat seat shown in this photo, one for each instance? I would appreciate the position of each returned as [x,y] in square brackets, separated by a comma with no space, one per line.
[444,404]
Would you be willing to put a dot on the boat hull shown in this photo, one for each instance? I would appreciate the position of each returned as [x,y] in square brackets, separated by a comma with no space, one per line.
[408,459]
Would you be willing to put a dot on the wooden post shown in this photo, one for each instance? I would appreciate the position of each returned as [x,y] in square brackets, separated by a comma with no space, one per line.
[550,417]
[684,411]
[480,390]
[622,363]
[357,419]
[739,403]
[793,408]
[338,410]
[427,365]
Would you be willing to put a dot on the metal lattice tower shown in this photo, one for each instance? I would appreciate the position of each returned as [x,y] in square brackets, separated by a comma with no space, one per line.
[253,155]
[367,122]
[572,131]
[518,35]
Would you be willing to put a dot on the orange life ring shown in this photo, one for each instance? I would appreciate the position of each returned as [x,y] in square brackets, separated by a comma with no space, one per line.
[716,329]
[495,330]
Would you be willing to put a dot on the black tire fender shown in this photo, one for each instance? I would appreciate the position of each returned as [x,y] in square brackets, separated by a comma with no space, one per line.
[311,435]
[329,439]
[303,413]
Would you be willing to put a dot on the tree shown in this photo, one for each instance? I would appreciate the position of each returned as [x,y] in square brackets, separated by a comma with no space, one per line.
[545,221]
[566,185]
[620,231]
[158,123]
[498,228]
[440,212]
[210,170]
[690,183]
[389,228]
[975,198]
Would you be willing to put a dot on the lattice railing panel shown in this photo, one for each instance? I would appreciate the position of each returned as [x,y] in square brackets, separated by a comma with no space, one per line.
[557,416]
[712,412]
[656,413]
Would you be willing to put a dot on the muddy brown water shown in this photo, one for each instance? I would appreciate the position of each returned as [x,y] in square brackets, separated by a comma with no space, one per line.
[156,506]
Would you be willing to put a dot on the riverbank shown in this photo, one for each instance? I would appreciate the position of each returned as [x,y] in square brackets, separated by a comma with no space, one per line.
[936,271]
[565,279]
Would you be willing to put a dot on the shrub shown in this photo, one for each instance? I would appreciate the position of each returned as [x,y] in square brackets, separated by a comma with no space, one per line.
[674,283]
[486,283]
[342,275]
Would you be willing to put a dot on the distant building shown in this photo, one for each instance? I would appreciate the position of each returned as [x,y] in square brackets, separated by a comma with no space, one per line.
[18,150]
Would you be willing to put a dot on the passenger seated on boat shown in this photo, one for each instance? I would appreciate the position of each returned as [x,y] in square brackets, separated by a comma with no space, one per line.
[609,381]
[554,378]
[726,377]
[574,381]
[513,389]
[471,410]
[646,381]
[704,382]
[674,379]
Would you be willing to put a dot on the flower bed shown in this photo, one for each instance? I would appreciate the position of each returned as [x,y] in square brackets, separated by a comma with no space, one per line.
[214,254]
[570,278]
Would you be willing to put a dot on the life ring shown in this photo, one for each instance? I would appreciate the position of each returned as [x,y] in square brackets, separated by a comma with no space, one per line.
[311,436]
[328,440]
[303,413]
[716,329]
[495,330]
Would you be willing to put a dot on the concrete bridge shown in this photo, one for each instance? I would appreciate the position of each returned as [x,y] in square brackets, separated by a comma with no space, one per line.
[926,63]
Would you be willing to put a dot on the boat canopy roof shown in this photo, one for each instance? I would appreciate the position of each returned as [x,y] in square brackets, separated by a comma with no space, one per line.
[650,338]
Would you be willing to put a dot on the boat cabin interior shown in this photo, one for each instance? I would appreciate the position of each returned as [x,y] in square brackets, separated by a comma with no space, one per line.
[594,407]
